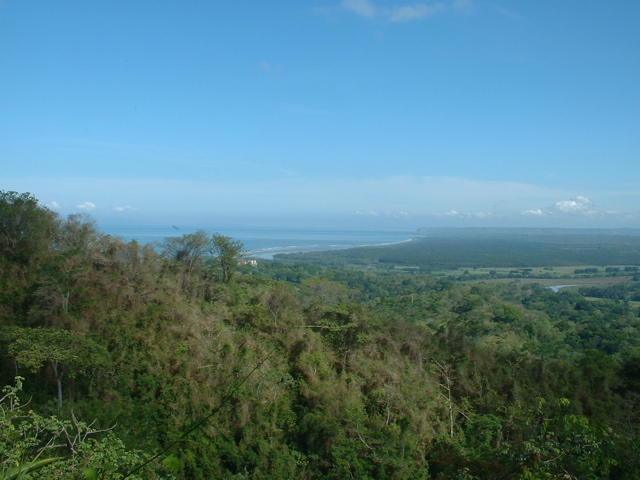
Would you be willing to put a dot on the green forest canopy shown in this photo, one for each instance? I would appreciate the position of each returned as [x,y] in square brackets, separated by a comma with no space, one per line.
[296,370]
[489,249]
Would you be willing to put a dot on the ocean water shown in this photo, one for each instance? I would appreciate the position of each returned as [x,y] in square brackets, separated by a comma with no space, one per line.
[264,242]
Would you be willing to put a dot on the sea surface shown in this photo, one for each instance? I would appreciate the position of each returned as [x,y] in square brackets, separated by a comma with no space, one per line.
[264,242]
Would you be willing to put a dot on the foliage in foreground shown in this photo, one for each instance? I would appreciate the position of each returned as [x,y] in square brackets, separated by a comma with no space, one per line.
[37,446]
[321,373]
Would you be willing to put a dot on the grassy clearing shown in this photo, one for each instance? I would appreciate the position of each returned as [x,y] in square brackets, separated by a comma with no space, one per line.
[550,282]
[558,272]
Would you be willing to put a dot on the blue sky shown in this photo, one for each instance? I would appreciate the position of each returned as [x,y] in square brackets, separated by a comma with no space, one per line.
[367,112]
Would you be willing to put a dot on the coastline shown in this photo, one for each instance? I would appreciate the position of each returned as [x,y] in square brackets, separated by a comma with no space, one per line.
[269,253]
[266,242]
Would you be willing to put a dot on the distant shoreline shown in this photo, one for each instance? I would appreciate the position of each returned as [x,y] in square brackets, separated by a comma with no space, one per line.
[268,254]
[266,242]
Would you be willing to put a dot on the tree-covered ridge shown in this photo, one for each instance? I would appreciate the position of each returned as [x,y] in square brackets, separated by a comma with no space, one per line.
[286,371]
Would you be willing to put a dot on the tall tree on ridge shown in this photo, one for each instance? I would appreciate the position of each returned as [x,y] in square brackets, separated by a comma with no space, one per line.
[227,252]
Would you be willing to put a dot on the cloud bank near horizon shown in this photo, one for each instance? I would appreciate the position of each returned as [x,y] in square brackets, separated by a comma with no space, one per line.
[402,197]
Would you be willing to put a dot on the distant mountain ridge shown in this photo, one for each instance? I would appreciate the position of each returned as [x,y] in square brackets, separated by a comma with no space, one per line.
[523,231]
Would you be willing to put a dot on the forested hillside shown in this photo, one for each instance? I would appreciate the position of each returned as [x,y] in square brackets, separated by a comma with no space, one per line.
[121,360]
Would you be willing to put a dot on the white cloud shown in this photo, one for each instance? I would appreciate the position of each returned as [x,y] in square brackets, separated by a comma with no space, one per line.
[364,8]
[87,206]
[373,213]
[54,205]
[537,212]
[125,208]
[401,13]
[579,204]
[414,12]
[456,214]
[482,214]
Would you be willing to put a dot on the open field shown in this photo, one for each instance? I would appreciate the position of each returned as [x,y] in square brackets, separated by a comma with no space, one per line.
[539,272]
[569,281]
[545,275]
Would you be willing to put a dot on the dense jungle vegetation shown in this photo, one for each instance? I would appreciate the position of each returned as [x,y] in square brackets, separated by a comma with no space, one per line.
[445,249]
[120,360]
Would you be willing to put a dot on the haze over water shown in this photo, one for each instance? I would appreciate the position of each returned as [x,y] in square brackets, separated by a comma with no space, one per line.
[266,241]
